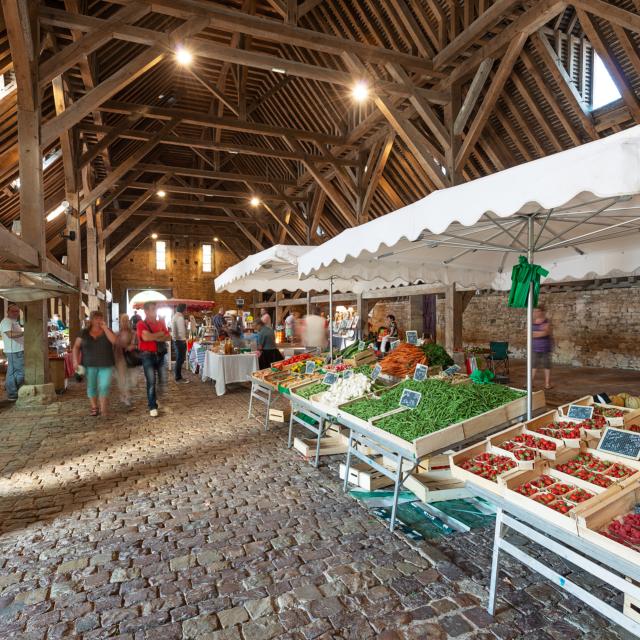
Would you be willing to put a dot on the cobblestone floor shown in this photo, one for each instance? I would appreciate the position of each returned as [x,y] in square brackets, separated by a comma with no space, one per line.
[199,525]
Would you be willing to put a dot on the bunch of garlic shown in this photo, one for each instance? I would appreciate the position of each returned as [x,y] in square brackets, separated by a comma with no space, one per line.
[346,389]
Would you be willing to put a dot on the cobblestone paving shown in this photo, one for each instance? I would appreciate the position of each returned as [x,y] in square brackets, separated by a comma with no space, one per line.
[199,525]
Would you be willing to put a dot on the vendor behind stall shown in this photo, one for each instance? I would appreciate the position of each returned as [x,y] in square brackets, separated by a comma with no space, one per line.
[385,338]
[267,352]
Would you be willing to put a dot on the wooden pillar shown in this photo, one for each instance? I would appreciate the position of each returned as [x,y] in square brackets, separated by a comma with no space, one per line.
[453,319]
[74,264]
[92,256]
[277,314]
[21,18]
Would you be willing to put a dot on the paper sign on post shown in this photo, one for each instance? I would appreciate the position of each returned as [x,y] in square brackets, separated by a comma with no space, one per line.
[421,372]
[410,399]
[329,378]
[580,412]
[375,372]
[412,337]
[361,345]
[310,367]
[394,345]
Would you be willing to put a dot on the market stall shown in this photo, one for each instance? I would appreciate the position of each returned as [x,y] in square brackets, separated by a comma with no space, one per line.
[572,480]
[578,212]
[225,369]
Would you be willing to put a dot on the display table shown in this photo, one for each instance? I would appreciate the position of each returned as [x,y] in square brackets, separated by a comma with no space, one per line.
[227,369]
[609,567]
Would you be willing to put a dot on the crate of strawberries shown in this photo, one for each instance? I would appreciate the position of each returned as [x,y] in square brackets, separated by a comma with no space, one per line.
[553,425]
[525,445]
[478,466]
[601,469]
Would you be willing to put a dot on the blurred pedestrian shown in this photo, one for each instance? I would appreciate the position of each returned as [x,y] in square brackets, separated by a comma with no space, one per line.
[265,317]
[12,335]
[315,332]
[267,352]
[220,323]
[126,359]
[179,333]
[289,327]
[542,345]
[93,351]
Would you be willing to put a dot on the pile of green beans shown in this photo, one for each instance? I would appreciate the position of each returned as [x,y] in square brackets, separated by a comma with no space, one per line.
[310,390]
[442,405]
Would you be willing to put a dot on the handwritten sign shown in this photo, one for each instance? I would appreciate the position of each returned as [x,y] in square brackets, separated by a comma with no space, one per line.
[412,337]
[310,367]
[394,345]
[421,372]
[338,360]
[410,399]
[361,345]
[449,371]
[329,378]
[580,412]
[622,443]
[347,374]
[377,370]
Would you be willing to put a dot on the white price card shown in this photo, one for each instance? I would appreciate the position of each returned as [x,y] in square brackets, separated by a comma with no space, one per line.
[410,399]
[421,372]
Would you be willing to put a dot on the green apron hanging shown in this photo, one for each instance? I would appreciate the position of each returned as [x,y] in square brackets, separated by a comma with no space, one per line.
[522,275]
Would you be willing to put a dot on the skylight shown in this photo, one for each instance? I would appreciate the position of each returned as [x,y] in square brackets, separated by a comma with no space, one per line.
[604,88]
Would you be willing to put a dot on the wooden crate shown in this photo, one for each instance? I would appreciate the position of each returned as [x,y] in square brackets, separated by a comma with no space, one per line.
[631,606]
[592,521]
[630,415]
[329,446]
[365,477]
[610,457]
[520,429]
[547,418]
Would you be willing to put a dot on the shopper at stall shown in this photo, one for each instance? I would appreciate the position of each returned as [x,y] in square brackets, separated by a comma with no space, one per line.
[93,350]
[267,352]
[12,336]
[135,318]
[315,331]
[152,343]
[542,345]
[179,333]
[126,359]
[265,317]
[220,323]
[389,335]
[289,327]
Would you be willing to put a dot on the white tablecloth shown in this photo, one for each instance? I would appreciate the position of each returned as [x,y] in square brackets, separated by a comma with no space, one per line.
[226,369]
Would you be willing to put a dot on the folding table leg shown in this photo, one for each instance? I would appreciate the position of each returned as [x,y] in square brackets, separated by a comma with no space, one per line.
[494,562]
[347,463]
[251,400]
[396,493]
[290,441]
[318,439]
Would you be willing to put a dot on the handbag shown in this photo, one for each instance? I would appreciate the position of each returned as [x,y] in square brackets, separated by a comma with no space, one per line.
[132,358]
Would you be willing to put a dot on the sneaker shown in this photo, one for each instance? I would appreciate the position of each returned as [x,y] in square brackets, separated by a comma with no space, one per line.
[183,381]
[153,413]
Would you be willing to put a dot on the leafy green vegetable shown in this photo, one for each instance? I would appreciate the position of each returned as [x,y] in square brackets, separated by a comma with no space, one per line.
[436,355]
[442,405]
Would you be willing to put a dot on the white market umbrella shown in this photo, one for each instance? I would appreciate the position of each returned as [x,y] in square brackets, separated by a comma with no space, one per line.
[578,209]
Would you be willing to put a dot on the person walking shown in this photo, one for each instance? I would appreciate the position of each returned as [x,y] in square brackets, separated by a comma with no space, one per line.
[265,317]
[152,344]
[125,370]
[93,350]
[219,323]
[12,335]
[267,352]
[289,327]
[179,333]
[542,345]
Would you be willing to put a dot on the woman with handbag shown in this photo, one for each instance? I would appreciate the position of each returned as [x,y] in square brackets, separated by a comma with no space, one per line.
[94,347]
[127,359]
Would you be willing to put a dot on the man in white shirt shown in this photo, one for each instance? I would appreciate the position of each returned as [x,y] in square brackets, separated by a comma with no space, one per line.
[13,338]
[179,331]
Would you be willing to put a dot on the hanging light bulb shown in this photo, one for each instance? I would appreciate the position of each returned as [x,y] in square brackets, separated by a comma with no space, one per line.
[184,56]
[360,91]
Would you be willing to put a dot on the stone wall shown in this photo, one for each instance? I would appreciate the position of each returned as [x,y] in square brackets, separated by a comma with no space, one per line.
[183,276]
[408,313]
[598,328]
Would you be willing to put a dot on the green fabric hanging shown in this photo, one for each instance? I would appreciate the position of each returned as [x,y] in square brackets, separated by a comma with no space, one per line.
[522,275]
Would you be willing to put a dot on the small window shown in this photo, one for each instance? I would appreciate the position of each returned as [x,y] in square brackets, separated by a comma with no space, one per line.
[161,255]
[605,90]
[206,258]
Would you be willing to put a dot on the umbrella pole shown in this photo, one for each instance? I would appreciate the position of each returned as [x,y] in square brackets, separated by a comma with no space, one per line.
[331,319]
[530,251]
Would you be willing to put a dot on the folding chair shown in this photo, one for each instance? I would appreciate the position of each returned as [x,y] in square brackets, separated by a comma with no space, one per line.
[498,360]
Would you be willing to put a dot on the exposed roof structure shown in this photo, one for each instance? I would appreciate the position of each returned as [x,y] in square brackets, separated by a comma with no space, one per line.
[458,89]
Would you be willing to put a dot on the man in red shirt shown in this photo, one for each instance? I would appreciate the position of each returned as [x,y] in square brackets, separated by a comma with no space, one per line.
[152,343]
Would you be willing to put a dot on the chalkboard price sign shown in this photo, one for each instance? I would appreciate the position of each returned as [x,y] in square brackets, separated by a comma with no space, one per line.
[394,345]
[377,370]
[412,337]
[580,412]
[310,367]
[347,374]
[421,372]
[621,442]
[410,399]
[361,345]
[329,378]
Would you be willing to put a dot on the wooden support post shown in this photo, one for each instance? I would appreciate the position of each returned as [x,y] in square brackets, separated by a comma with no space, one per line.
[21,18]
[277,314]
[453,319]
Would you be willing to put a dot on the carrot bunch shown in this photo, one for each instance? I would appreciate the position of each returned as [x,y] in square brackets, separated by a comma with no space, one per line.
[402,360]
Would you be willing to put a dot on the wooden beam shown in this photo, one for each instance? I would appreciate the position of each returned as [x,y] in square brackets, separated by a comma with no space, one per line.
[13,248]
[108,135]
[375,173]
[316,210]
[162,212]
[609,60]
[213,91]
[490,99]
[470,100]
[607,11]
[478,28]
[128,238]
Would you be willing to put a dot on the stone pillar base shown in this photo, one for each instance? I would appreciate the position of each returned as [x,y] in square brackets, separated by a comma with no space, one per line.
[36,395]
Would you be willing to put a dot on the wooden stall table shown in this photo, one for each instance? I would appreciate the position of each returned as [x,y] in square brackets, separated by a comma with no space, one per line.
[226,369]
